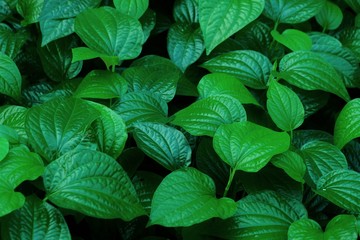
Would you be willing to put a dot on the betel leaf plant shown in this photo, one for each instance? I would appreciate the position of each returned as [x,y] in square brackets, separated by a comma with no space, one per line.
[182,119]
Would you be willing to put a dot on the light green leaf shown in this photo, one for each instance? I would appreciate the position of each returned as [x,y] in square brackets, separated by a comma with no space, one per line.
[292,11]
[10,78]
[203,117]
[222,83]
[84,53]
[141,107]
[321,158]
[181,189]
[341,187]
[284,107]
[247,146]
[4,147]
[330,16]
[35,220]
[263,215]
[108,31]
[11,42]
[9,200]
[251,67]
[185,44]
[102,85]
[219,19]
[354,4]
[92,183]
[347,126]
[308,71]
[164,144]
[154,74]
[186,11]
[110,131]
[133,8]
[292,163]
[293,39]
[30,10]
[341,227]
[56,59]
[58,126]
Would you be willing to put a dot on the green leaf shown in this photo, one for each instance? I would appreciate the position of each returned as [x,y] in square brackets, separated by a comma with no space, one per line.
[92,183]
[181,189]
[301,137]
[351,151]
[99,30]
[84,53]
[347,125]
[102,85]
[185,44]
[222,83]
[221,19]
[56,59]
[292,163]
[263,215]
[110,131]
[354,4]
[341,187]
[164,144]
[321,158]
[4,147]
[14,117]
[330,16]
[11,42]
[5,10]
[35,220]
[9,134]
[9,200]
[186,11]
[293,39]
[58,126]
[308,71]
[349,37]
[30,10]
[141,107]
[251,67]
[247,146]
[57,17]
[130,159]
[341,227]
[284,107]
[203,117]
[292,11]
[154,74]
[10,78]
[133,8]
[148,22]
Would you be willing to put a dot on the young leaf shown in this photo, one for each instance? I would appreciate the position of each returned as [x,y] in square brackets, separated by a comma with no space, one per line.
[292,11]
[11,42]
[292,163]
[293,39]
[330,16]
[308,71]
[9,200]
[10,78]
[30,10]
[181,189]
[341,187]
[154,74]
[92,183]
[284,107]
[221,19]
[247,146]
[58,126]
[222,83]
[186,11]
[252,68]
[203,117]
[185,44]
[141,107]
[133,8]
[100,28]
[347,125]
[35,220]
[101,84]
[4,147]
[164,144]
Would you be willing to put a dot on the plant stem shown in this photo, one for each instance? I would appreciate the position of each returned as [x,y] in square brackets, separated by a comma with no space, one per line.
[231,177]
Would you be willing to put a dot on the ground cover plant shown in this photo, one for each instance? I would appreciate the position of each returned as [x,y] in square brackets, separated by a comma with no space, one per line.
[185,119]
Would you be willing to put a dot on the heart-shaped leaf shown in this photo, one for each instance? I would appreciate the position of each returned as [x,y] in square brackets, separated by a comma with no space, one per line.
[9,200]
[330,16]
[292,163]
[293,39]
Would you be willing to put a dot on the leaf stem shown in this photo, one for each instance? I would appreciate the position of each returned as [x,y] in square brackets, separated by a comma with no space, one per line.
[231,177]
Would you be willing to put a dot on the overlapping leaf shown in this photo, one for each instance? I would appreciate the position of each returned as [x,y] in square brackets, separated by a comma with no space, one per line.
[132,8]
[10,78]
[30,10]
[330,16]
[293,39]
[12,41]
[292,163]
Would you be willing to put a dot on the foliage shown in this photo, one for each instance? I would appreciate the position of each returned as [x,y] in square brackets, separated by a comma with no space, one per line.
[183,119]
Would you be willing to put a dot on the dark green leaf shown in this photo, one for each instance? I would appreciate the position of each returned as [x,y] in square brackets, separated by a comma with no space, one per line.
[252,68]
[181,189]
[247,146]
[30,10]
[351,151]
[292,163]
[350,39]
[92,183]
[53,29]
[203,117]
[4,147]
[148,21]
[293,39]
[301,137]
[186,11]
[11,42]
[330,16]
[164,144]
[14,117]
[9,134]
[354,4]
[10,78]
